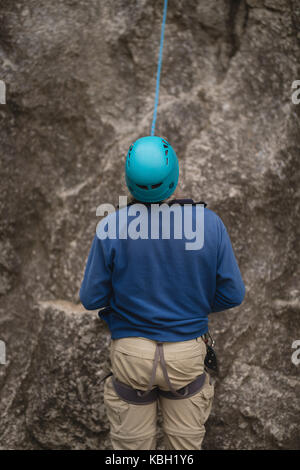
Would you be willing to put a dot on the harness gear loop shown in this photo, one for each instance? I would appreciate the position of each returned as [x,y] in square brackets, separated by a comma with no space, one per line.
[211,361]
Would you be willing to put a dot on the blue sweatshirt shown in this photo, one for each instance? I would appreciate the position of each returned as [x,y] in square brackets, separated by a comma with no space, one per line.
[157,288]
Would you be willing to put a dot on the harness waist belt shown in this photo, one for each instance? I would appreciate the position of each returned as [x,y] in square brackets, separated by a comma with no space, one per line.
[139,397]
[189,390]
[132,395]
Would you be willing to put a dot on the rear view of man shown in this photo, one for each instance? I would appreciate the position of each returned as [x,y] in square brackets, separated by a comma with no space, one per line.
[160,290]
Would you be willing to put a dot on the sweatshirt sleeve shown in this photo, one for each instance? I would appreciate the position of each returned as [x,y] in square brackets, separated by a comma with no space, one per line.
[96,287]
[230,288]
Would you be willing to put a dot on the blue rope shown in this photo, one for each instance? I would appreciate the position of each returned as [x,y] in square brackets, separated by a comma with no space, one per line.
[159,66]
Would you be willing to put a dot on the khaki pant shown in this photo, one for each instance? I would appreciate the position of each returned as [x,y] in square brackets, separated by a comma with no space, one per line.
[133,427]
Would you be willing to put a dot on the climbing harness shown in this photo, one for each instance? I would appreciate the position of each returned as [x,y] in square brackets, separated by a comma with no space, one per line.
[145,397]
[140,397]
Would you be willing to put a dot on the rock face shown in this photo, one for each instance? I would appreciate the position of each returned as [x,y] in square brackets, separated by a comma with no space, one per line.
[80,77]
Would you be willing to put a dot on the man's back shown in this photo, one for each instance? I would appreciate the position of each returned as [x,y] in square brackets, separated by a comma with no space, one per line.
[158,288]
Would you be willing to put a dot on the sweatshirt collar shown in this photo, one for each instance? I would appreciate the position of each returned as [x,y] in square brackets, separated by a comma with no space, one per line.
[170,203]
[186,201]
[181,201]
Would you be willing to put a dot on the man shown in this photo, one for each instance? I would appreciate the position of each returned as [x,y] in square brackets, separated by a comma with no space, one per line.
[159,295]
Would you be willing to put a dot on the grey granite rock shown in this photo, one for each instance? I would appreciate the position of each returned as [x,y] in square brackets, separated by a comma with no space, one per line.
[80,78]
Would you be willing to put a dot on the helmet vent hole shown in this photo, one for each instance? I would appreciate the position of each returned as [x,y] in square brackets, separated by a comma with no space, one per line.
[171,185]
[142,186]
[154,186]
[166,152]
[167,161]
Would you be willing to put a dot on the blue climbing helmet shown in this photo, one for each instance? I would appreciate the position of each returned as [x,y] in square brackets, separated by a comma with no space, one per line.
[151,169]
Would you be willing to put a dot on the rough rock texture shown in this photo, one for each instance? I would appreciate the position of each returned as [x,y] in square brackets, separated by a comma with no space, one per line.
[80,78]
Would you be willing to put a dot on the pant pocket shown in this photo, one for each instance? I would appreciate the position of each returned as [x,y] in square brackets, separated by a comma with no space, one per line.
[203,401]
[116,408]
[128,422]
